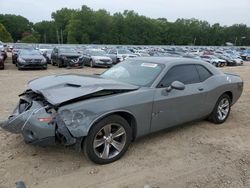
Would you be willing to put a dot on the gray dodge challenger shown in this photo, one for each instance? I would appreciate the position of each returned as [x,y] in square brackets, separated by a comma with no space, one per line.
[102,114]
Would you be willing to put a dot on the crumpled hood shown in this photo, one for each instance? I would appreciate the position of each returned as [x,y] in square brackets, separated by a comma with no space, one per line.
[58,89]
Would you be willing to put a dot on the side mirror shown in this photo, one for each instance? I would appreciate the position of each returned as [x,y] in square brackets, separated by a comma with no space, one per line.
[176,85]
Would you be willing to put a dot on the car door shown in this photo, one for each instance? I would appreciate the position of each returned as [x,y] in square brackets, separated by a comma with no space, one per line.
[175,107]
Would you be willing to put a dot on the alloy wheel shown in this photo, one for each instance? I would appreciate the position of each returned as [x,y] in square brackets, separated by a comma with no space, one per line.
[223,109]
[109,141]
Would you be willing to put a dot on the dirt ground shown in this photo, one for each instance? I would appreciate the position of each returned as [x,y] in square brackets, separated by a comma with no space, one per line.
[195,155]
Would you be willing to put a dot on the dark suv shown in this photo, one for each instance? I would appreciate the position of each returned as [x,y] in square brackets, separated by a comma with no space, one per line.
[66,57]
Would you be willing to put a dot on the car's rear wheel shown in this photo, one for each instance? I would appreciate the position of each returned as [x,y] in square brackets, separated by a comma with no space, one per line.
[108,140]
[221,110]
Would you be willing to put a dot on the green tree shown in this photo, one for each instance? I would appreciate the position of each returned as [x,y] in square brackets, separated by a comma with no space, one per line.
[47,31]
[32,38]
[4,34]
[15,25]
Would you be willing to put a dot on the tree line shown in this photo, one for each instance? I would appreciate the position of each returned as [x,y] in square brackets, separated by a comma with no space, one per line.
[87,26]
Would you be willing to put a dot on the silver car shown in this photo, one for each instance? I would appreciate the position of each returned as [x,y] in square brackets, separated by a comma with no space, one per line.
[102,115]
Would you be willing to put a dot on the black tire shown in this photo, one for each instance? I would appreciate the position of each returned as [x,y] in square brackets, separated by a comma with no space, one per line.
[88,145]
[222,64]
[214,116]
[52,62]
[59,64]
[91,63]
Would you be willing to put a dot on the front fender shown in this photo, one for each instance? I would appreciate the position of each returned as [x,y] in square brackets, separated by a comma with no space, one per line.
[80,128]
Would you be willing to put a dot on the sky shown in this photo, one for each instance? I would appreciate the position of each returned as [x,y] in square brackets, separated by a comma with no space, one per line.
[225,12]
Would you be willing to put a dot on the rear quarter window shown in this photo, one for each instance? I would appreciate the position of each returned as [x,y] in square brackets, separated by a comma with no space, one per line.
[203,72]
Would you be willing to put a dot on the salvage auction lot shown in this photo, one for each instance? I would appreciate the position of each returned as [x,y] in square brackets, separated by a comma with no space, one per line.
[199,154]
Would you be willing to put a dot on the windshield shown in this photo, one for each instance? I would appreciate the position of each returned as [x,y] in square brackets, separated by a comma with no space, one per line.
[23,46]
[68,50]
[134,72]
[124,52]
[46,47]
[96,53]
[29,52]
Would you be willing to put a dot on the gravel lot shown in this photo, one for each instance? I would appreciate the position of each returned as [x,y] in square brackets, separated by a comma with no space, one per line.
[199,154]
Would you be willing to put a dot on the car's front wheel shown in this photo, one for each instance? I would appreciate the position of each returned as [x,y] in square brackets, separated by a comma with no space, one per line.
[107,140]
[221,110]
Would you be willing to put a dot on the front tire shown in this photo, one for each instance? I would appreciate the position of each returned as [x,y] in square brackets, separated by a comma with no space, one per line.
[91,64]
[59,64]
[108,140]
[221,110]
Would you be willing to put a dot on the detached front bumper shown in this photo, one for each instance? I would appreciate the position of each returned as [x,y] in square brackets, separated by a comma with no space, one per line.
[30,123]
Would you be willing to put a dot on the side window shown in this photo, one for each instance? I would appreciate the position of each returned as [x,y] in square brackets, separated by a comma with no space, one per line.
[186,74]
[203,73]
[112,52]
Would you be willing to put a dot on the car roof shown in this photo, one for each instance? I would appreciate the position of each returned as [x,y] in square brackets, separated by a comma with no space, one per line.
[168,60]
[171,61]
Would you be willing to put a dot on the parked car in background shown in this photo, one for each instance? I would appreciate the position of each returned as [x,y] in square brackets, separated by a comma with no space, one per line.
[229,60]
[30,59]
[214,60]
[66,57]
[96,58]
[17,47]
[238,60]
[9,48]
[102,115]
[245,55]
[46,51]
[119,55]
[3,53]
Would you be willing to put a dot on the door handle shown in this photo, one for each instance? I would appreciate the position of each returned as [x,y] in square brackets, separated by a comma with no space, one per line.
[200,88]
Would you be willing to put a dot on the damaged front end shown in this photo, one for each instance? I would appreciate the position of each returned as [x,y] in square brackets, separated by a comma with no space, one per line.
[33,118]
[37,121]
[52,110]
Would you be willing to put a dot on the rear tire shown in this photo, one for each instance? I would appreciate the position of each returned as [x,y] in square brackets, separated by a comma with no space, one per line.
[221,110]
[108,140]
